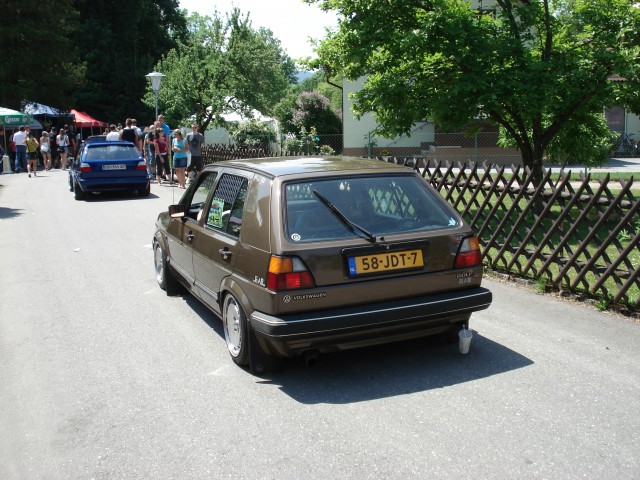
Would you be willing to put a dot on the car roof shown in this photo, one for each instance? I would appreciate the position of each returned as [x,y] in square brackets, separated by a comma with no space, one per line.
[110,143]
[285,166]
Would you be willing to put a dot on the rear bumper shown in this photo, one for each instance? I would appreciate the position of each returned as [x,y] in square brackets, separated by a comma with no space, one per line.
[108,184]
[352,327]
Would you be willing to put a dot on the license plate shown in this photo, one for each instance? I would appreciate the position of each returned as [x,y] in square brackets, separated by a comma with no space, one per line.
[385,262]
[117,166]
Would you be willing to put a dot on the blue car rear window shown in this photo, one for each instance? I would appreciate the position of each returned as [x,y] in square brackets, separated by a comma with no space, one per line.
[111,152]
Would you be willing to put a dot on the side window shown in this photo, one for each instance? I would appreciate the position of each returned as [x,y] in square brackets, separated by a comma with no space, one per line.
[197,203]
[227,205]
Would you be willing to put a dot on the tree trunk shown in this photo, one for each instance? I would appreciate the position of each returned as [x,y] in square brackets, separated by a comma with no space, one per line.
[532,158]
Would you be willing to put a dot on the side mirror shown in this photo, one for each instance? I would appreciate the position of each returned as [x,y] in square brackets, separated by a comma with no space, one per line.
[176,211]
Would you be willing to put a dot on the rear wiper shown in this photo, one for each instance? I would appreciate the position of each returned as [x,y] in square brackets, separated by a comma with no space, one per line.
[351,226]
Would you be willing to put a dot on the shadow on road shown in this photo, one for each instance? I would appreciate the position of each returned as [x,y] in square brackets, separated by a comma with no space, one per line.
[385,370]
[395,369]
[6,212]
[115,196]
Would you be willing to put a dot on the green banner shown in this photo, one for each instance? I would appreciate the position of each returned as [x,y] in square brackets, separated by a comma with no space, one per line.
[12,117]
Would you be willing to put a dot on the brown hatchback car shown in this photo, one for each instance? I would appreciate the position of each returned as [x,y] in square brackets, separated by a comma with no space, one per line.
[310,255]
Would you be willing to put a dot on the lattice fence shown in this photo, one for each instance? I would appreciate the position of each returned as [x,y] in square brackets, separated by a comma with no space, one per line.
[569,232]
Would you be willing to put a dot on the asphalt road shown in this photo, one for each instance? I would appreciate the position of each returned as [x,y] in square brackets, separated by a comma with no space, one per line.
[102,376]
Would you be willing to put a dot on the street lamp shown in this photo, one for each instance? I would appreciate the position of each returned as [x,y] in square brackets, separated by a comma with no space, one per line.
[156,78]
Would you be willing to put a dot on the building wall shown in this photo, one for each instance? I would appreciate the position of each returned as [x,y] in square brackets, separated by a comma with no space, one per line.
[357,131]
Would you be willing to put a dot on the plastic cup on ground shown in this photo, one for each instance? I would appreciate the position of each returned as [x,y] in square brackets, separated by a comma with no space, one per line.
[465,340]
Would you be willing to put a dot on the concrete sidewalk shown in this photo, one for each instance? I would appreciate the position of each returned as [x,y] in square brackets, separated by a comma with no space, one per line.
[621,165]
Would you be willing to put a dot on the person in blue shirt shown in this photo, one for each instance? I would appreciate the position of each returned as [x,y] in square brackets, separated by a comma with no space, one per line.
[180,147]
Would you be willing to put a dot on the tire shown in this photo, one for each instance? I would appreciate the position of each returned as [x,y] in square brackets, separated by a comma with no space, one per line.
[164,276]
[234,322]
[77,192]
[144,192]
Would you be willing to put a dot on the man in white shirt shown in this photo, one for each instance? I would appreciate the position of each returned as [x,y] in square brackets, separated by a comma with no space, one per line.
[113,135]
[20,139]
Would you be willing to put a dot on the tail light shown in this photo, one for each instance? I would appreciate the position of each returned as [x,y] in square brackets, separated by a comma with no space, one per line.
[142,165]
[288,273]
[84,167]
[468,253]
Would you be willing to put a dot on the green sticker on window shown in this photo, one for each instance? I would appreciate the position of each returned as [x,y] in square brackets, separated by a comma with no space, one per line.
[215,212]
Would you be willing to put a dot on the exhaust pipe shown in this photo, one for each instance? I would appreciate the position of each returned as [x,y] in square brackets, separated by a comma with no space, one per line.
[311,357]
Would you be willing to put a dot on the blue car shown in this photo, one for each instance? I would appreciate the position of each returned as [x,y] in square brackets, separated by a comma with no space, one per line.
[103,166]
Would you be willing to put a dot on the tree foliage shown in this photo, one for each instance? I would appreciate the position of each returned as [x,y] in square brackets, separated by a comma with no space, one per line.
[311,103]
[541,70]
[314,110]
[39,61]
[224,66]
[120,44]
[253,133]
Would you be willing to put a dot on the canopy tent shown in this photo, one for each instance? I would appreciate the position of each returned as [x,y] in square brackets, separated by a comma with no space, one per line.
[84,120]
[35,108]
[14,120]
[10,117]
[47,115]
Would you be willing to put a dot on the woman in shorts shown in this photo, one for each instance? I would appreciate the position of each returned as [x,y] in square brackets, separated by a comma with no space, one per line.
[32,154]
[180,148]
[63,148]
[45,150]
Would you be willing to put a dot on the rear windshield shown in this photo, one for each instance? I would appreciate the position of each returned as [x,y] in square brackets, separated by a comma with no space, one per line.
[381,205]
[112,152]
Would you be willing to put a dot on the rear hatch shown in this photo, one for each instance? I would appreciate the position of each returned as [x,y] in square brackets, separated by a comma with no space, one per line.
[119,161]
[370,239]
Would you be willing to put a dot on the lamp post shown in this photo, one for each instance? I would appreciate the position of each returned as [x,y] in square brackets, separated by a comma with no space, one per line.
[156,78]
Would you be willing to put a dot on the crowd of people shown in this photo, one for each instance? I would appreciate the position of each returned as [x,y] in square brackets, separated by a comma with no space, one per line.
[53,147]
[166,151]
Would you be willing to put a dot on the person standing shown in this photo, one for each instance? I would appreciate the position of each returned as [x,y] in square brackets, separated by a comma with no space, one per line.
[140,144]
[20,139]
[195,140]
[113,135]
[180,147]
[129,134]
[162,159]
[71,134]
[63,148]
[32,155]
[45,150]
[150,152]
[166,130]
[53,147]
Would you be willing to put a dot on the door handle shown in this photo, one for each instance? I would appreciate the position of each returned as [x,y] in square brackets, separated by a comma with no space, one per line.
[190,237]
[225,253]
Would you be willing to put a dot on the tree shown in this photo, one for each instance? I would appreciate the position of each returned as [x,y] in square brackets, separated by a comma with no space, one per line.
[224,66]
[539,69]
[314,110]
[120,44]
[319,82]
[253,133]
[39,62]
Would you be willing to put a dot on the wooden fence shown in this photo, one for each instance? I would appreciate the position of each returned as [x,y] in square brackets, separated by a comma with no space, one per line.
[569,233]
